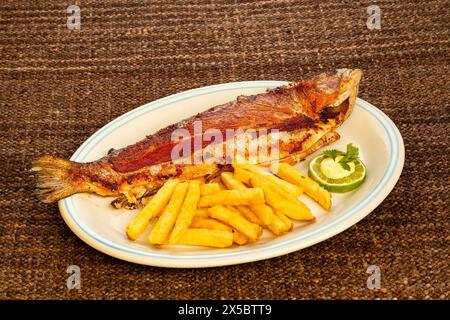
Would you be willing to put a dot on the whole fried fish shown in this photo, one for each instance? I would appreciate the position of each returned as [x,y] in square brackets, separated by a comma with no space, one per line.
[305,113]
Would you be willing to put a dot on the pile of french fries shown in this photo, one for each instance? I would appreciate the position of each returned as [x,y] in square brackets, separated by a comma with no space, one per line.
[234,208]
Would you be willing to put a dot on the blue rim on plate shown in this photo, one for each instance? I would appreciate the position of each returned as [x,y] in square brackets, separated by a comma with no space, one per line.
[395,165]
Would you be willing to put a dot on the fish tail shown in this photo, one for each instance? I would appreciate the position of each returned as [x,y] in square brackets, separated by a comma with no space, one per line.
[54,179]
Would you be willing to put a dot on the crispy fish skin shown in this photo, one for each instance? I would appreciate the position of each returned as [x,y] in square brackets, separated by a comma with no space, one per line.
[306,113]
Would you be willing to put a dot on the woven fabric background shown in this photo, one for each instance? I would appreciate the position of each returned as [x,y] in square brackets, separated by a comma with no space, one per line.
[57,87]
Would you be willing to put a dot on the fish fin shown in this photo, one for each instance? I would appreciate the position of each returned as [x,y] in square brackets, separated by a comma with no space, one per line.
[54,181]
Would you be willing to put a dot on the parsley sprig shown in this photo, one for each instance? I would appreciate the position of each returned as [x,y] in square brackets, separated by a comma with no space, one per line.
[352,154]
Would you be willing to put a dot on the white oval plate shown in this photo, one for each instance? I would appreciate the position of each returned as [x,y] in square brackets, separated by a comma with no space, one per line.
[94,221]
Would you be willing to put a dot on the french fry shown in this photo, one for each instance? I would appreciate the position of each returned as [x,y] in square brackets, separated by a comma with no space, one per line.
[233,219]
[239,238]
[285,220]
[207,223]
[242,175]
[164,225]
[249,214]
[239,212]
[233,197]
[201,212]
[296,210]
[206,238]
[288,190]
[230,182]
[262,211]
[187,211]
[209,188]
[152,209]
[235,210]
[311,188]
[212,224]
[278,226]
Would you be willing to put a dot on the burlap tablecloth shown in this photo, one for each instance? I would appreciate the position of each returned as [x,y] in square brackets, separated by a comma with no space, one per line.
[57,87]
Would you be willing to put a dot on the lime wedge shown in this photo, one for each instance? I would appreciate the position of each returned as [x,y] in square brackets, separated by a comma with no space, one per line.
[345,184]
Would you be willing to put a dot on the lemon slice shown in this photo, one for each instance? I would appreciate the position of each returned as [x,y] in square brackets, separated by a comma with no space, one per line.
[330,174]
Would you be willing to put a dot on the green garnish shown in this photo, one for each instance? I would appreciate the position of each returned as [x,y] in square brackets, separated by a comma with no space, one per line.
[332,153]
[351,155]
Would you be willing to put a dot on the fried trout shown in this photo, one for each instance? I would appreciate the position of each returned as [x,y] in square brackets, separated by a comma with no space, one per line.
[304,113]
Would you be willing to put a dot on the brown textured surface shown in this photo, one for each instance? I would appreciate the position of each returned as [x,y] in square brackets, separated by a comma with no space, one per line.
[58,87]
